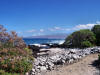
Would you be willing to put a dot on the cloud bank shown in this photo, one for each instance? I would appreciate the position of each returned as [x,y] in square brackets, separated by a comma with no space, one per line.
[61,29]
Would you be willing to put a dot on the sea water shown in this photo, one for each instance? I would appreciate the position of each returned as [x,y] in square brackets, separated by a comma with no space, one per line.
[41,41]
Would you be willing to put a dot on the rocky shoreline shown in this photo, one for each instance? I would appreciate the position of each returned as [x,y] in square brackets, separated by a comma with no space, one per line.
[61,57]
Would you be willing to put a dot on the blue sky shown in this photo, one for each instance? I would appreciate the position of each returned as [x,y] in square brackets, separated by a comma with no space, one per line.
[42,17]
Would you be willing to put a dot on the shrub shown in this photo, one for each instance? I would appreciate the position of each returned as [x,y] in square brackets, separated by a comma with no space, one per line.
[14,60]
[96,31]
[19,65]
[78,38]
[15,57]
[2,72]
[10,39]
[97,63]
[86,44]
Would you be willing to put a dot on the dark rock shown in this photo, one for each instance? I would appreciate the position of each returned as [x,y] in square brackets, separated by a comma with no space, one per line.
[55,46]
[34,48]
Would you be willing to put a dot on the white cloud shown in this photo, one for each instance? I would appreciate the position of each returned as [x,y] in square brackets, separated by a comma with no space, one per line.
[41,30]
[66,29]
[83,26]
[33,30]
[30,31]
[98,22]
[19,32]
[59,28]
[37,34]
[51,29]
[54,29]
[63,29]
[77,27]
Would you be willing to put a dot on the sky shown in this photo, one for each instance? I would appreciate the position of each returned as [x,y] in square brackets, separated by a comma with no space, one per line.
[44,17]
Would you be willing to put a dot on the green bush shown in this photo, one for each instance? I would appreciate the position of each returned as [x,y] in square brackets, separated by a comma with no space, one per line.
[77,38]
[86,44]
[96,31]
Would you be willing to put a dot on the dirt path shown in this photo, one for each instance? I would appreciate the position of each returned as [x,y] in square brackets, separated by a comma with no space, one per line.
[82,67]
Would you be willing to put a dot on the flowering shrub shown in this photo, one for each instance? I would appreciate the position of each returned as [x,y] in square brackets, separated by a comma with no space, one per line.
[15,57]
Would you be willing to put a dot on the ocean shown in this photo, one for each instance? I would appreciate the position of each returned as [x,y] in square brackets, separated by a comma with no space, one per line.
[41,41]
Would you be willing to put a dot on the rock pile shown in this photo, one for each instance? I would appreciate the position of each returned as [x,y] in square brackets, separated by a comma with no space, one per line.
[68,56]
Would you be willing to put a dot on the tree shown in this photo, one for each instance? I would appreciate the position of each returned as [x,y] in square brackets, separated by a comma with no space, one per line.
[80,39]
[96,31]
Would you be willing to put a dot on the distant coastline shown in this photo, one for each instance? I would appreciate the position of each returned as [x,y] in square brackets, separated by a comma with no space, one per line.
[52,36]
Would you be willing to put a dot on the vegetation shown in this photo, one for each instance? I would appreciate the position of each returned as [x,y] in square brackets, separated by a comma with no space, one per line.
[96,30]
[80,39]
[2,72]
[86,44]
[85,38]
[15,57]
[97,62]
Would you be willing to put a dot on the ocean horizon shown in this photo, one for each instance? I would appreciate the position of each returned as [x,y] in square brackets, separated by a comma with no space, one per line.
[42,41]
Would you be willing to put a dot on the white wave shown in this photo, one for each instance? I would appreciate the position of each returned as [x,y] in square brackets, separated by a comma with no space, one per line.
[57,41]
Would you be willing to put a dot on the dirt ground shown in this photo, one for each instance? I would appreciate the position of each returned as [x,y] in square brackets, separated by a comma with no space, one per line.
[83,67]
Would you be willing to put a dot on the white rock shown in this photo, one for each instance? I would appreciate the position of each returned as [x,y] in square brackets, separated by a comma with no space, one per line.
[75,56]
[33,70]
[70,61]
[43,68]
